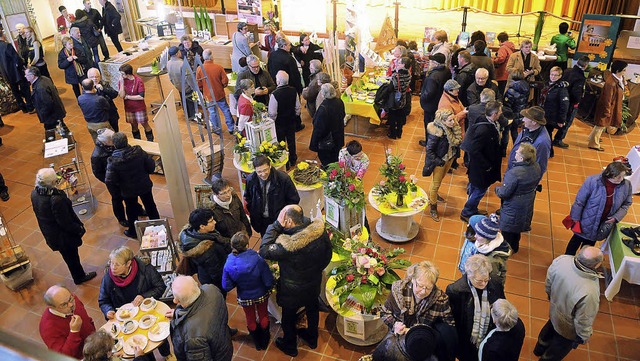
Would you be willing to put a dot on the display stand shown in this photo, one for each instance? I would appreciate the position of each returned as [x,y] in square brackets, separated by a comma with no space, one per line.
[310,195]
[15,267]
[64,157]
[399,226]
[156,243]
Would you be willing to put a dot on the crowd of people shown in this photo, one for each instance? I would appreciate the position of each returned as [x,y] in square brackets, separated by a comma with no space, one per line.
[473,103]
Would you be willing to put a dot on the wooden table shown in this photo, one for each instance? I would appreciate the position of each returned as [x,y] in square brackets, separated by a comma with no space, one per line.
[158,311]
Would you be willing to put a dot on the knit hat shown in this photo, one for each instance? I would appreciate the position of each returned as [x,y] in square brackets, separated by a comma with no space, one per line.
[451,85]
[438,58]
[420,342]
[105,135]
[488,227]
[173,50]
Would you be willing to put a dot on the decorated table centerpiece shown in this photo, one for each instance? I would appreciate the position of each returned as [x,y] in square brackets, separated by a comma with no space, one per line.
[241,150]
[259,112]
[307,174]
[344,197]
[397,182]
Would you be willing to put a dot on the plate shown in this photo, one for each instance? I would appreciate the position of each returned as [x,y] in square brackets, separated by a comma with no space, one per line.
[148,304]
[140,340]
[114,330]
[117,346]
[133,311]
[147,321]
[162,334]
[127,330]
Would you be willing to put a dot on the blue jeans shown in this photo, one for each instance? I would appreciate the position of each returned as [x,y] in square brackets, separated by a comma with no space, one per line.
[562,132]
[96,57]
[475,195]
[214,117]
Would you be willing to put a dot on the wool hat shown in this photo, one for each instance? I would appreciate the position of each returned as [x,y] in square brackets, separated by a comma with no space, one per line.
[488,227]
[438,58]
[173,50]
[105,135]
[420,342]
[451,85]
[535,113]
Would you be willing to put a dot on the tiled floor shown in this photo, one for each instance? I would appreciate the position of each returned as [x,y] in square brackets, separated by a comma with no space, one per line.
[616,328]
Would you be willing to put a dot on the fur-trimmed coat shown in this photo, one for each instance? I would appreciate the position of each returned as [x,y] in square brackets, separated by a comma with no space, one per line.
[302,252]
[208,252]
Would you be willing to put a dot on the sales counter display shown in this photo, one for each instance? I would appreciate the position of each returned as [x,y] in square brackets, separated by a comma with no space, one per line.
[135,56]
[358,98]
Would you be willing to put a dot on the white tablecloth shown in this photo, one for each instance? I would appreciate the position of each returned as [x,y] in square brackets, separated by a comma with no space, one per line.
[628,264]
[634,161]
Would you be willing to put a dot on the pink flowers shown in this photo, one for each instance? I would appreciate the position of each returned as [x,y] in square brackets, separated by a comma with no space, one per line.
[382,183]
[380,271]
[401,179]
[401,166]
[352,187]
[350,278]
[333,174]
[347,174]
[341,163]
[360,173]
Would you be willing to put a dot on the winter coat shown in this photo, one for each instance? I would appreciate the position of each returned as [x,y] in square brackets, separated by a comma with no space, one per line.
[516,97]
[576,79]
[305,59]
[302,253]
[70,74]
[148,283]
[129,168]
[310,94]
[445,49]
[482,144]
[232,220]
[394,348]
[574,298]
[438,147]
[240,49]
[609,105]
[448,101]
[47,102]
[111,19]
[465,76]
[462,307]
[329,118]
[542,143]
[99,159]
[498,252]
[432,309]
[590,201]
[556,103]
[432,88]
[474,90]
[191,53]
[109,93]
[59,224]
[250,273]
[400,81]
[503,345]
[11,64]
[281,192]
[516,61]
[518,193]
[500,61]
[200,332]
[563,43]
[87,28]
[282,60]
[95,108]
[484,61]
[207,251]
[264,80]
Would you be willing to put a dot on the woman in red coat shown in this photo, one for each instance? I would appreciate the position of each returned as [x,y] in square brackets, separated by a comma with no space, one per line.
[64,21]
[609,106]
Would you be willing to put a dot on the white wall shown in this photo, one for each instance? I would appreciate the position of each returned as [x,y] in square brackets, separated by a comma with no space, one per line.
[45,18]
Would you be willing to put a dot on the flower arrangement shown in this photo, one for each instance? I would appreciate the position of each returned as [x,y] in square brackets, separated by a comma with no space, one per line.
[367,271]
[340,183]
[259,112]
[307,174]
[241,145]
[273,151]
[396,181]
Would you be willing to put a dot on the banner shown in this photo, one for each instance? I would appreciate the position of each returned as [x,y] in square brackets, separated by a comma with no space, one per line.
[250,11]
[597,37]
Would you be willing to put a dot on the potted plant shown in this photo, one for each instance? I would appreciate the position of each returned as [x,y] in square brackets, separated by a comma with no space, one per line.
[344,197]
[259,112]
[396,183]
[274,151]
[241,151]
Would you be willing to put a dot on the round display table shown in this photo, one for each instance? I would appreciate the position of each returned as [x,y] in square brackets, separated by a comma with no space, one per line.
[310,195]
[397,224]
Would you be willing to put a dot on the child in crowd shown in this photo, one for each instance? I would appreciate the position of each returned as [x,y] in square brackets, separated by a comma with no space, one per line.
[353,156]
[246,270]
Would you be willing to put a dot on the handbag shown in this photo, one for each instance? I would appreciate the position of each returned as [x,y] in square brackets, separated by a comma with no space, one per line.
[604,230]
[568,223]
[327,143]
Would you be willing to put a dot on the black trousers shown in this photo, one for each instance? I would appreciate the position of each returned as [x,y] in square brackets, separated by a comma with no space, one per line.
[428,118]
[3,185]
[103,45]
[133,210]
[551,346]
[576,242]
[397,119]
[289,318]
[288,134]
[76,90]
[328,156]
[116,42]
[22,94]
[513,238]
[72,259]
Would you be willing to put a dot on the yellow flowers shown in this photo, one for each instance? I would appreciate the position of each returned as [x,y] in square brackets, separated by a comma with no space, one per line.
[303,165]
[282,143]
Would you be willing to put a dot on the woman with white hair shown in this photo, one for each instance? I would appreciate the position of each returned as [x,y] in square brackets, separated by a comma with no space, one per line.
[471,298]
[504,342]
[59,224]
[328,126]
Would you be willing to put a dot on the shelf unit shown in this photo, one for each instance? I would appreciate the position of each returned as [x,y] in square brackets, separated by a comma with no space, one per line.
[15,267]
[164,256]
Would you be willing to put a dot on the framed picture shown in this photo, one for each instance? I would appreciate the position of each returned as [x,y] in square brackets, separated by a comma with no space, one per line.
[597,38]
[332,212]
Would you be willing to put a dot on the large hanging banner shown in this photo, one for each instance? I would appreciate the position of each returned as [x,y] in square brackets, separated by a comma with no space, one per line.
[250,11]
[597,38]
[306,16]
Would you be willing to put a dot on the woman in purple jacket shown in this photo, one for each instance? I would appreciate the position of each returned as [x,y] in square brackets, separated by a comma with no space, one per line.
[249,272]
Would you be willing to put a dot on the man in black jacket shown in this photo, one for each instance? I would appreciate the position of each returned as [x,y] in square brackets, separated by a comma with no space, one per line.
[482,81]
[46,99]
[465,75]
[11,69]
[303,250]
[105,90]
[261,79]
[268,191]
[482,143]
[94,108]
[432,89]
[80,45]
[129,168]
[284,107]
[282,59]
[60,226]
[111,21]
[576,79]
[96,18]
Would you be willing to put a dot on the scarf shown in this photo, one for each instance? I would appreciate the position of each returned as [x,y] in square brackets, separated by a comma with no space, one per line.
[76,65]
[481,315]
[454,137]
[46,191]
[222,204]
[124,282]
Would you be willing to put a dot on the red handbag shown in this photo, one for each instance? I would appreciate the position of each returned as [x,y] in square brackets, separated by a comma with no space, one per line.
[571,224]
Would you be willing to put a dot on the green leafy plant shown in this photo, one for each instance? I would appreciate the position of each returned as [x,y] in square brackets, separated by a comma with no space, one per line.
[340,183]
[396,180]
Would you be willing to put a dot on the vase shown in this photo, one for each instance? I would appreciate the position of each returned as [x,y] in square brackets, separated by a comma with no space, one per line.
[400,200]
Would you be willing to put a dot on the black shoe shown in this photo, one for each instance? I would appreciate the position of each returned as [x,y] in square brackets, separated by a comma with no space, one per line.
[256,337]
[130,233]
[390,136]
[291,351]
[87,277]
[299,128]
[4,196]
[303,333]
[423,143]
[143,212]
[32,111]
[561,144]
[233,331]
[465,219]
[265,336]
[124,223]
[633,245]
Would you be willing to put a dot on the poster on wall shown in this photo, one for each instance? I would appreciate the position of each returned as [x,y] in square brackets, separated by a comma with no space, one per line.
[250,11]
[306,16]
[597,37]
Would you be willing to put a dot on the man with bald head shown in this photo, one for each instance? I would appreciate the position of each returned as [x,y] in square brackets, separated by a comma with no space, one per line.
[573,288]
[284,108]
[95,108]
[213,91]
[199,322]
[302,249]
[65,323]
[105,90]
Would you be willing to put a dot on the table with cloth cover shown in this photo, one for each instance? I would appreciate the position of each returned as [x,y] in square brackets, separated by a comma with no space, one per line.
[634,162]
[624,264]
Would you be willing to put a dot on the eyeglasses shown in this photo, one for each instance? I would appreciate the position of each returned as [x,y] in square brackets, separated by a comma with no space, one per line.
[254,67]
[227,191]
[68,303]
[485,280]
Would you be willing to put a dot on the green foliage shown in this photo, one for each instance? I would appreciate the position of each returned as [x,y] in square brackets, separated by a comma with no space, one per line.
[340,183]
[396,179]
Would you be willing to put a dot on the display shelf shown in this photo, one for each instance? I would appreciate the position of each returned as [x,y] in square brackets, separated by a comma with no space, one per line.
[15,267]
[156,244]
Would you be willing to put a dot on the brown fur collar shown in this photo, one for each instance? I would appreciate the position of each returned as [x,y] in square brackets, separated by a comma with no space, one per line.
[200,249]
[304,237]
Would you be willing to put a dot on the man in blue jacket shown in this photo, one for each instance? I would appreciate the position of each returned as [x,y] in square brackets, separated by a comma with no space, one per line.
[94,108]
